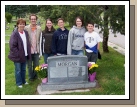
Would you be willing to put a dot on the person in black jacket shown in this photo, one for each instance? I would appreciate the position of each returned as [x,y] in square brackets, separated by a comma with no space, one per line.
[46,40]
[60,38]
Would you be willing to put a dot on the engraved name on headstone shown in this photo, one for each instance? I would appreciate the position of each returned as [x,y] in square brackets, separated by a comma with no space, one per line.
[67,72]
[67,69]
[67,63]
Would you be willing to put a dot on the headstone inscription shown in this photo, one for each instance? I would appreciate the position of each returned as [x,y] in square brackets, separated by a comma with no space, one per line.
[67,69]
[67,72]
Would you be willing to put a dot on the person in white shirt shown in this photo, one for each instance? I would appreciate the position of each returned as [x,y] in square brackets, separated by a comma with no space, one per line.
[91,39]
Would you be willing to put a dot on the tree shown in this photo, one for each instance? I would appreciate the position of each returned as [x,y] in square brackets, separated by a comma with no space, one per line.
[105,30]
[106,16]
[17,10]
[88,13]
[113,18]
[50,11]
[117,18]
[33,9]
[8,17]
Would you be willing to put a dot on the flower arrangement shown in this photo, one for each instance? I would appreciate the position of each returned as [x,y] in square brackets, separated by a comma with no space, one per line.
[42,70]
[91,70]
[92,67]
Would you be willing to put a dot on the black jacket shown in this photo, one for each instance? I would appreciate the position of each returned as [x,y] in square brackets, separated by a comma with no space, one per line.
[46,41]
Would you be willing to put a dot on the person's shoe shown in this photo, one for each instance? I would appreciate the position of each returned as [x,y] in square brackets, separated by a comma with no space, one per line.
[26,83]
[20,86]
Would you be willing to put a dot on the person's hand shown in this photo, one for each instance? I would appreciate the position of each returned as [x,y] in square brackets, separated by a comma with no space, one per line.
[40,57]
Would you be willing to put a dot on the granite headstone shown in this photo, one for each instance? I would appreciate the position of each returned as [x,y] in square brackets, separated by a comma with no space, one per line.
[67,72]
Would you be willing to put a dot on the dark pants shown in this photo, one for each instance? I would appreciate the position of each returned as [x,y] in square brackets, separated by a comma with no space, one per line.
[32,65]
[45,55]
[20,73]
[92,57]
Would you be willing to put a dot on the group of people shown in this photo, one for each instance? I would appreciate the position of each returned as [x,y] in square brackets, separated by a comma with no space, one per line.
[29,42]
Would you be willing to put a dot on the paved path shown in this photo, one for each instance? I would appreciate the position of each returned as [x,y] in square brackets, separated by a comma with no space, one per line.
[117,48]
[117,43]
[119,40]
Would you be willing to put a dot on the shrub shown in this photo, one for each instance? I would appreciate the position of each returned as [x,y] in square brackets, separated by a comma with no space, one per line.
[8,17]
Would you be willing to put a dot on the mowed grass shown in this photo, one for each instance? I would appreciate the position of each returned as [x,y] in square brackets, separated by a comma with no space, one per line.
[110,76]
[7,38]
[10,86]
[110,73]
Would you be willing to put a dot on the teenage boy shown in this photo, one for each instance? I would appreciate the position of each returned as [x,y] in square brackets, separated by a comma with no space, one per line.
[92,40]
[34,32]
[59,39]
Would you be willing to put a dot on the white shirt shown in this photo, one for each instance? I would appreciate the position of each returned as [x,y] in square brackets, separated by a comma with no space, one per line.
[42,44]
[91,39]
[23,37]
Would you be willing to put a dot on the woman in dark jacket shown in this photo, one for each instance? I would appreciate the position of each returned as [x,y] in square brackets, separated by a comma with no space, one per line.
[20,51]
[46,40]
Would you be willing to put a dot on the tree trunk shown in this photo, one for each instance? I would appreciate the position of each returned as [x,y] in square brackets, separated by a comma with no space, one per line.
[105,45]
[106,32]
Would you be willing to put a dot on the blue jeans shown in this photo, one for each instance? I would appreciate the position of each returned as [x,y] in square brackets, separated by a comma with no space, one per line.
[77,52]
[32,63]
[20,72]
[45,55]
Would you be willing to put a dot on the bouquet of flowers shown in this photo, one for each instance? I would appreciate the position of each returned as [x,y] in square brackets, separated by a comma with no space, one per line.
[42,70]
[92,67]
[91,70]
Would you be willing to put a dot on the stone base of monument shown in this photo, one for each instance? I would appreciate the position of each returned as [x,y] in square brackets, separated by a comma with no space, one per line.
[67,72]
[46,89]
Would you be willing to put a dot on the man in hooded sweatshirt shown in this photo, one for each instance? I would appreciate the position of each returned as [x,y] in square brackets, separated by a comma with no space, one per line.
[59,39]
[75,44]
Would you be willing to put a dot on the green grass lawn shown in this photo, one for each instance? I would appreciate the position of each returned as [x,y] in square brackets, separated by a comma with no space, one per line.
[11,26]
[110,76]
[10,86]
[7,37]
[110,73]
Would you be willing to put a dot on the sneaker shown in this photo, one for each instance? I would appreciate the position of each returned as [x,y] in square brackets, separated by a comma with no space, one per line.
[26,83]
[20,86]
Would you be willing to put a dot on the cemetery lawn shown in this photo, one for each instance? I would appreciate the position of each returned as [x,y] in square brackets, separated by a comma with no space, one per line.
[110,73]
[110,76]
[7,38]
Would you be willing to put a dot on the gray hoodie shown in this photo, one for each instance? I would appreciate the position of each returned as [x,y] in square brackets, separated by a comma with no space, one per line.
[75,39]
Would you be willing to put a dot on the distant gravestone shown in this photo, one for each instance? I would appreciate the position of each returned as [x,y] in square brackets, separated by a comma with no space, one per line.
[67,72]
